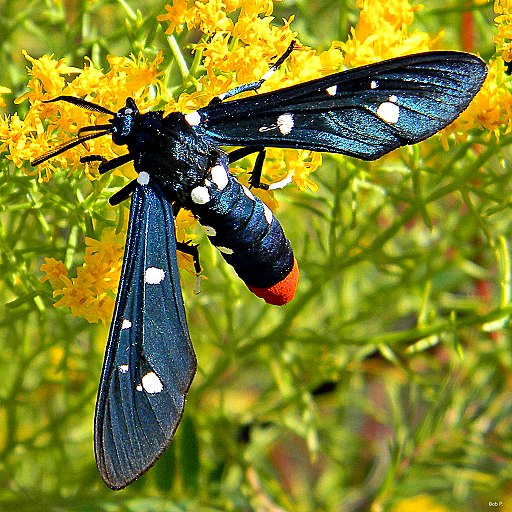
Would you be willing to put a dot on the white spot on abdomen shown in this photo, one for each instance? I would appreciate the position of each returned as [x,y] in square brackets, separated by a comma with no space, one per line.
[219,176]
[151,383]
[200,195]
[154,275]
[193,118]
[388,111]
[143,178]
[247,192]
[268,214]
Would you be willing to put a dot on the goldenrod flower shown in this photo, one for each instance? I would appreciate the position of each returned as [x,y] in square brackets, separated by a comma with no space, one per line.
[382,32]
[503,22]
[91,293]
[55,272]
[178,14]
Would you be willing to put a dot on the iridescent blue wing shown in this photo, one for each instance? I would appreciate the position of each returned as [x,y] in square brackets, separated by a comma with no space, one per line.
[150,362]
[363,112]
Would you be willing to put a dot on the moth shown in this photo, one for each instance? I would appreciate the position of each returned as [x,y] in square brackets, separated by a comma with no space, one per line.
[363,112]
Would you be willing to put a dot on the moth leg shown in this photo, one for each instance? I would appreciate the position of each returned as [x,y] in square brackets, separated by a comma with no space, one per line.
[107,165]
[255,178]
[240,153]
[123,194]
[92,158]
[254,86]
[192,250]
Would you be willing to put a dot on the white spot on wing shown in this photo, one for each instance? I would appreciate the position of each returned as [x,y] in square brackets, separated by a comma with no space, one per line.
[219,176]
[268,214]
[331,91]
[143,178]
[123,368]
[152,383]
[225,250]
[285,123]
[388,112]
[126,324]
[200,195]
[193,118]
[374,84]
[154,275]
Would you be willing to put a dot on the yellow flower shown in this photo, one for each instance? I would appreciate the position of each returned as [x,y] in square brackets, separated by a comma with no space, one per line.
[491,110]
[212,17]
[382,33]
[303,163]
[177,15]
[46,75]
[91,293]
[55,272]
[503,22]
[420,502]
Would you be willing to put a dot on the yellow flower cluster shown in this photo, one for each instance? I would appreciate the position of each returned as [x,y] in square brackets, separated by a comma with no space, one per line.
[240,39]
[48,124]
[503,22]
[91,293]
[382,32]
[211,16]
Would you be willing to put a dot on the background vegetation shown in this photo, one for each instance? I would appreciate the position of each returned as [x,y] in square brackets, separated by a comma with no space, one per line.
[385,385]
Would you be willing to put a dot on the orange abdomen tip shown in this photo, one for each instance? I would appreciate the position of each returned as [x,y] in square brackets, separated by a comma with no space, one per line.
[280,293]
